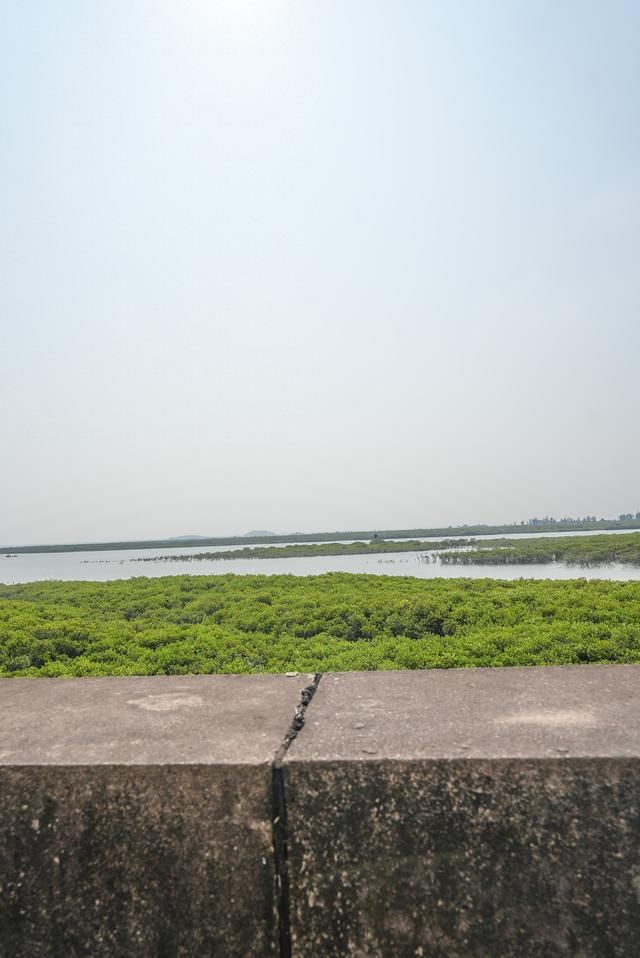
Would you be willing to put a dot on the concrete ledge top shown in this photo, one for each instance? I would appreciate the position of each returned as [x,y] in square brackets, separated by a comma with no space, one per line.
[155,720]
[542,712]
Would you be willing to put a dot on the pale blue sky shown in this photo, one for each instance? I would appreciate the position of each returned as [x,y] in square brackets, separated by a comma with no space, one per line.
[318,264]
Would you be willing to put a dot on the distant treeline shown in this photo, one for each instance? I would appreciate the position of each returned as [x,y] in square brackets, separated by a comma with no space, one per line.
[578,550]
[547,524]
[202,624]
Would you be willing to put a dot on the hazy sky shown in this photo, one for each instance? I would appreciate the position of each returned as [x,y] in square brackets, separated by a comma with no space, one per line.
[316,264]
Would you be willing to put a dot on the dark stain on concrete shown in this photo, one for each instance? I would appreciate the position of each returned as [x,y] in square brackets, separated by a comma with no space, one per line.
[136,861]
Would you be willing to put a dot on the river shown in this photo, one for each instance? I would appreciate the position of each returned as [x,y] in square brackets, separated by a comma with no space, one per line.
[102,566]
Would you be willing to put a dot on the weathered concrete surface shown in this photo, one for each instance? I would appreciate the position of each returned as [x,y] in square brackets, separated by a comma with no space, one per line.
[491,813]
[462,713]
[136,815]
[135,720]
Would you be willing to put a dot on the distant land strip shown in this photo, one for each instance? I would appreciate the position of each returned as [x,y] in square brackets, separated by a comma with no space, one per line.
[573,550]
[308,550]
[598,525]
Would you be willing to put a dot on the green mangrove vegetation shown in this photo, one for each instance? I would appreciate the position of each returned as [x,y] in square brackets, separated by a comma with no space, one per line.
[308,550]
[207,624]
[574,550]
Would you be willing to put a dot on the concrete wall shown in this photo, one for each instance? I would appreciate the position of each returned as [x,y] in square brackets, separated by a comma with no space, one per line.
[462,813]
[136,815]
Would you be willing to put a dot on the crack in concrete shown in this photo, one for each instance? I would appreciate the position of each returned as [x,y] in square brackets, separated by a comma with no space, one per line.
[280,833]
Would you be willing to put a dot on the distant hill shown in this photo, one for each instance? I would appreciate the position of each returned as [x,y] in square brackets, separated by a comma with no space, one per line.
[258,532]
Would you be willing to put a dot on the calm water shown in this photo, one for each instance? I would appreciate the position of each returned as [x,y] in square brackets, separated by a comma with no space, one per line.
[101,566]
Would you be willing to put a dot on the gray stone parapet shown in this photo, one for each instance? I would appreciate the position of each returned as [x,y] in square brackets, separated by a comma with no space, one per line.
[136,815]
[448,814]
[472,812]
